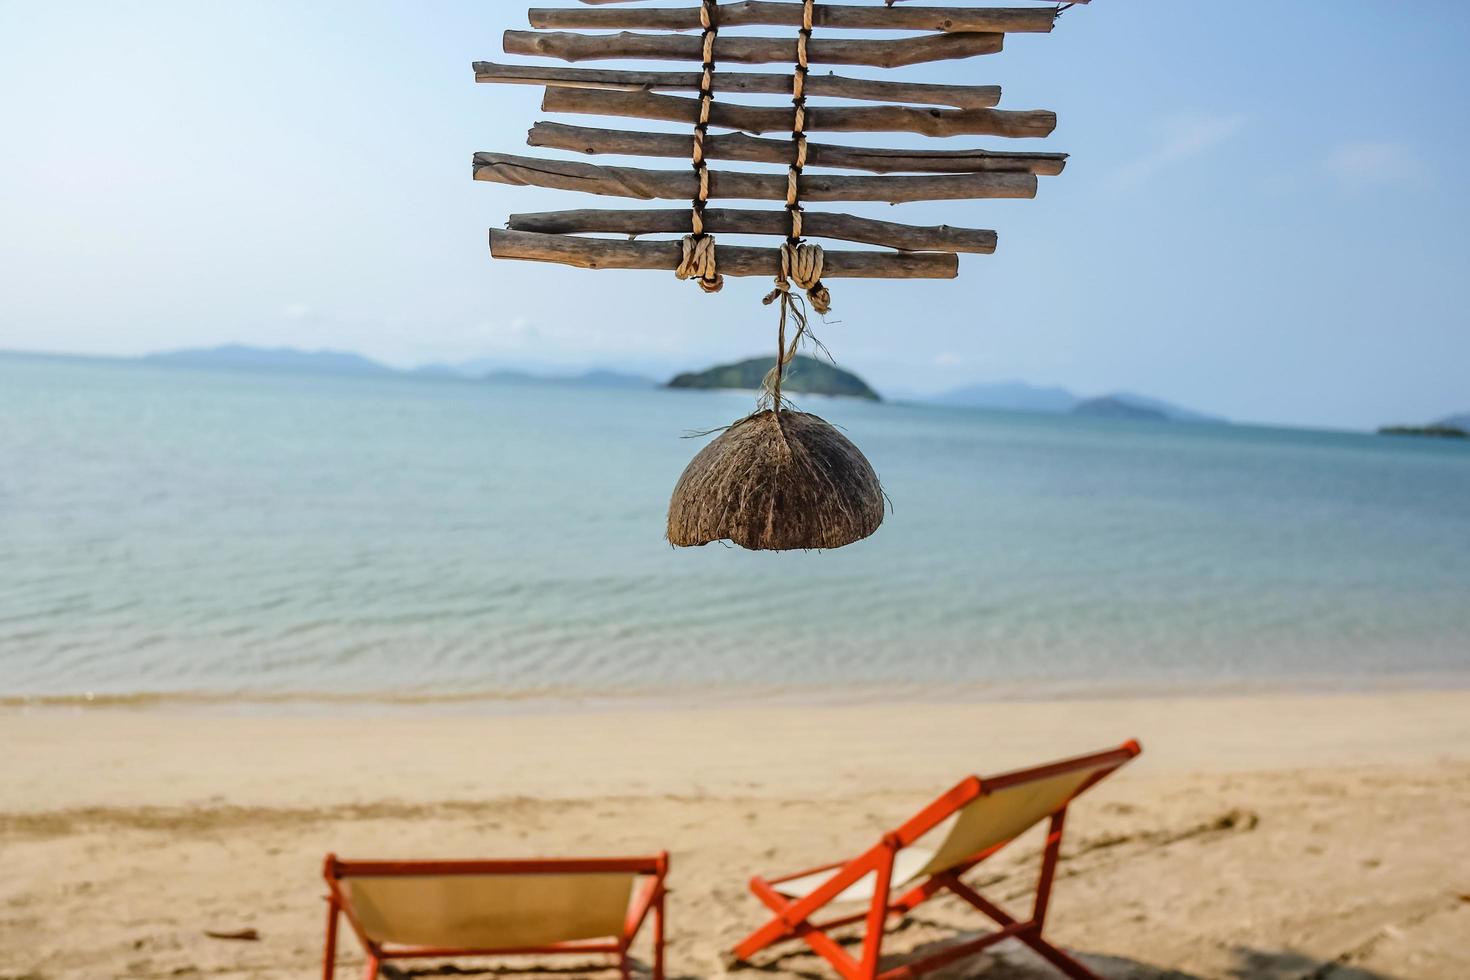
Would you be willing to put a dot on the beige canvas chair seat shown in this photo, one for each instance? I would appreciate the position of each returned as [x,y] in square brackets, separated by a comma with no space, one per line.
[444,909]
[491,911]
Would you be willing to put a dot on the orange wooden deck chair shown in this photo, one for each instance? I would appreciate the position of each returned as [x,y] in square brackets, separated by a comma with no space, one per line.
[970,823]
[445,909]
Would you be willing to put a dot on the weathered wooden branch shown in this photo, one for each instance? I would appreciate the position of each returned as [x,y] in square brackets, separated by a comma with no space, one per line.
[744,83]
[733,260]
[723,221]
[751,50]
[845,119]
[756,13]
[741,148]
[680,184]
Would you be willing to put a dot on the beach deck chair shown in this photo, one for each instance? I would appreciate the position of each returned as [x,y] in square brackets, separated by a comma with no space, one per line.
[445,909]
[904,870]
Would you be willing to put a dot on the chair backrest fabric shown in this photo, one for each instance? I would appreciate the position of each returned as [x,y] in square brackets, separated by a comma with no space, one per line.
[490,911]
[996,817]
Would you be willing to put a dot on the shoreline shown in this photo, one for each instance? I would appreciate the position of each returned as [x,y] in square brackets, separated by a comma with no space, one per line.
[715,697]
[168,758]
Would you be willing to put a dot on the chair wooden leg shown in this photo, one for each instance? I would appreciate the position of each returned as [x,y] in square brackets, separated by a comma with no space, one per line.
[374,965]
[658,937]
[329,955]
[877,919]
[1049,857]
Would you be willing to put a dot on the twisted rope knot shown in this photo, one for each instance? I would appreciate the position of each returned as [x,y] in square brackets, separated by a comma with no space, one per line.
[802,264]
[698,263]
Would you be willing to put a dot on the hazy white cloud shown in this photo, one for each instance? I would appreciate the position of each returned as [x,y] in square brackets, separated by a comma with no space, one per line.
[296,311]
[1183,137]
[947,359]
[1360,164]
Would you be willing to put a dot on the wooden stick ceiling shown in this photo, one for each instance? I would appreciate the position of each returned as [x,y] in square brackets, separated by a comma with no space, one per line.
[708,34]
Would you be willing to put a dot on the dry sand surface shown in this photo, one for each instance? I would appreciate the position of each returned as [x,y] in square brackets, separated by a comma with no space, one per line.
[1267,836]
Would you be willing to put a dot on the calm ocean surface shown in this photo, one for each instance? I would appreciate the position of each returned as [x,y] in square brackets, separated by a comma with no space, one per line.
[175,533]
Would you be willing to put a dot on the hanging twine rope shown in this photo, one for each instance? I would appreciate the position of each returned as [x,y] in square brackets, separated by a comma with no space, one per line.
[793,308]
[698,260]
[801,262]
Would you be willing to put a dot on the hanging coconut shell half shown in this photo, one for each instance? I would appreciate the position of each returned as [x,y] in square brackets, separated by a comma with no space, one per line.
[777,481]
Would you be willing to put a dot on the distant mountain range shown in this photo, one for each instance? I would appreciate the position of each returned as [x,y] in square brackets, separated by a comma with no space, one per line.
[272,359]
[808,375]
[805,375]
[241,357]
[1112,407]
[1018,396]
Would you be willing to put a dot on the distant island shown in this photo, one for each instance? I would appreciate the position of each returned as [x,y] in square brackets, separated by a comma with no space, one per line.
[1450,427]
[806,376]
[1019,396]
[1431,431]
[1112,407]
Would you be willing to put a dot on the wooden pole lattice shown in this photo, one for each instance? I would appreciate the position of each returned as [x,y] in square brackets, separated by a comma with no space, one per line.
[708,33]
[722,129]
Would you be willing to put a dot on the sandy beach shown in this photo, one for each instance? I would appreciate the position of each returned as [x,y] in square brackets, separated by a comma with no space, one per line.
[1275,836]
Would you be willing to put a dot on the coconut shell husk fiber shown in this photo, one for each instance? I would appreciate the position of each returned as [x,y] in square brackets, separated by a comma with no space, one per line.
[777,481]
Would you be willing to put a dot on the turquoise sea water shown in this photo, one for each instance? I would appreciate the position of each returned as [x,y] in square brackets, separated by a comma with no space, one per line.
[174,532]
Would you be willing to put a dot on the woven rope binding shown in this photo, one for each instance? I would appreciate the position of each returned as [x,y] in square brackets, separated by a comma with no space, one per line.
[698,259]
[801,262]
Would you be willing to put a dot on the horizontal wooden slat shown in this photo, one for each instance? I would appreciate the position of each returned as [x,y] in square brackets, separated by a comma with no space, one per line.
[568,46]
[733,260]
[679,184]
[1036,123]
[756,13]
[724,221]
[744,83]
[741,148]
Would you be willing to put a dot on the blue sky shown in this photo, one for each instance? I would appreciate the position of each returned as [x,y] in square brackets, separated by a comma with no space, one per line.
[1263,216]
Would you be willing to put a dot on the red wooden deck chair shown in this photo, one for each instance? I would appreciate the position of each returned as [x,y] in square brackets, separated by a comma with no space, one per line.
[896,876]
[444,909]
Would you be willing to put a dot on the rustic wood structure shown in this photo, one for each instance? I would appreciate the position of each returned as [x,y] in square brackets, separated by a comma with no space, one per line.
[708,34]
